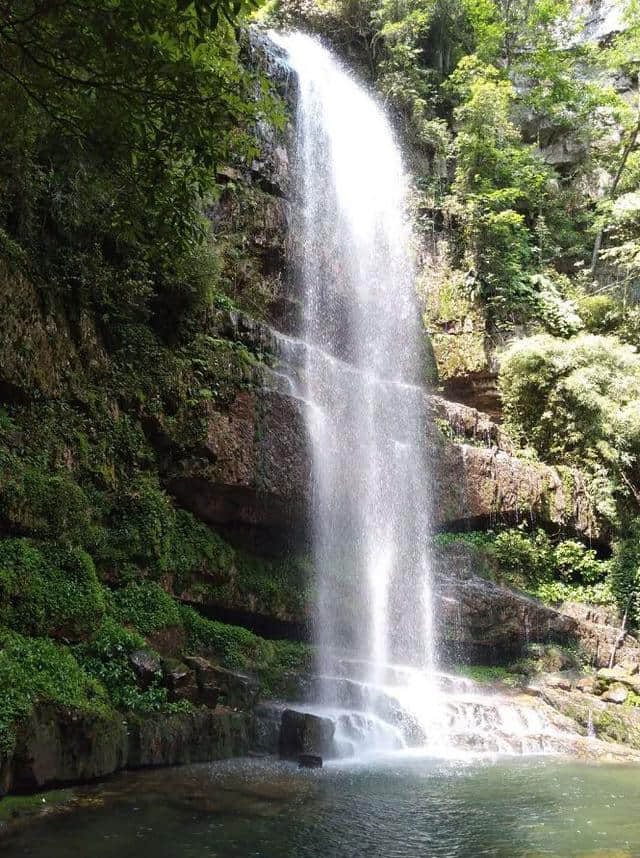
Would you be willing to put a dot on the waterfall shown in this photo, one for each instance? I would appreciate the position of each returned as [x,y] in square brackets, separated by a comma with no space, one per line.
[362,368]
[357,369]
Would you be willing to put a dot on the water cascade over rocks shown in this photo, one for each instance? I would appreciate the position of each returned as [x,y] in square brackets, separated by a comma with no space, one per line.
[358,368]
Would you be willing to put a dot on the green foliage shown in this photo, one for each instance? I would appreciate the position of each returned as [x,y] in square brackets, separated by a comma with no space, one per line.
[625,572]
[577,401]
[240,649]
[486,674]
[555,592]
[565,571]
[36,670]
[146,606]
[47,589]
[522,560]
[106,658]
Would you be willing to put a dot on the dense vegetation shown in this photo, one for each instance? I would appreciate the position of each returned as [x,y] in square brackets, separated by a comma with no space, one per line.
[126,198]
[124,118]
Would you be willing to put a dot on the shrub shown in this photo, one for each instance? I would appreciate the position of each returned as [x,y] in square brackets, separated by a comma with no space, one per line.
[48,589]
[146,606]
[106,659]
[625,573]
[573,562]
[522,560]
[577,401]
[37,670]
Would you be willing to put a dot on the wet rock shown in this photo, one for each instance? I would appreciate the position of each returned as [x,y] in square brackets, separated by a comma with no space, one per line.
[186,737]
[207,680]
[180,681]
[58,746]
[610,721]
[62,745]
[483,622]
[146,666]
[616,693]
[252,471]
[558,681]
[237,690]
[266,727]
[309,761]
[304,733]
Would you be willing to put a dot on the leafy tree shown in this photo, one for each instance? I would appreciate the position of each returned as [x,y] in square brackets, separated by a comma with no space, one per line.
[577,401]
[121,111]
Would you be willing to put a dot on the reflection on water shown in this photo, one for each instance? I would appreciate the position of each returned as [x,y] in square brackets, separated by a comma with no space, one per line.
[401,807]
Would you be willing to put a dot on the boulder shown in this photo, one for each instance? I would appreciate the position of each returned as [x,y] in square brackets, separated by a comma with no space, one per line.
[237,690]
[198,736]
[309,761]
[180,681]
[146,666]
[305,733]
[558,680]
[479,621]
[267,717]
[588,685]
[616,693]
[207,680]
[58,745]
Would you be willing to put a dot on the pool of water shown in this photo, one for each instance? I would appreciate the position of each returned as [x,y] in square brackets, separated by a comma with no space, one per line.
[398,807]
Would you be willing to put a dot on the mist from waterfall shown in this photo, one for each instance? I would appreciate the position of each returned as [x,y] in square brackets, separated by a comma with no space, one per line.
[363,370]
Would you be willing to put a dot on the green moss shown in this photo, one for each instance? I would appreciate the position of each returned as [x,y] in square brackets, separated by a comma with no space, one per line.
[48,589]
[486,674]
[18,806]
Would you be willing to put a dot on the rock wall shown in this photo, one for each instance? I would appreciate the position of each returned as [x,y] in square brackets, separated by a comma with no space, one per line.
[482,622]
[58,746]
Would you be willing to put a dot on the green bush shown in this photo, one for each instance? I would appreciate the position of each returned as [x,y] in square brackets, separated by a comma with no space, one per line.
[37,670]
[577,402]
[239,649]
[567,571]
[524,561]
[48,589]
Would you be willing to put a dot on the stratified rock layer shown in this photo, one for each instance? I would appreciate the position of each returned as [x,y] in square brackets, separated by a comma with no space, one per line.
[480,621]
[254,472]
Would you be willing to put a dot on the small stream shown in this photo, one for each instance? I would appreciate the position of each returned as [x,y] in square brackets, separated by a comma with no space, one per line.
[404,806]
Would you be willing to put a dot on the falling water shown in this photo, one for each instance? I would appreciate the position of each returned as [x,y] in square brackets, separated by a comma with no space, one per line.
[358,370]
[362,367]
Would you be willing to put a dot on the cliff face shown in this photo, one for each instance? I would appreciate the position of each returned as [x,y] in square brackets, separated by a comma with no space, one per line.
[171,462]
